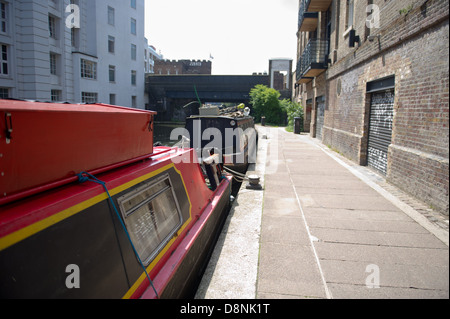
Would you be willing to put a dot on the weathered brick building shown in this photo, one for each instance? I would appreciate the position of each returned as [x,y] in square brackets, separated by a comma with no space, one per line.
[178,67]
[373,76]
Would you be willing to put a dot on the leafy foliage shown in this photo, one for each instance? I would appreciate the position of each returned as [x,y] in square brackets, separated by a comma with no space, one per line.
[293,110]
[265,102]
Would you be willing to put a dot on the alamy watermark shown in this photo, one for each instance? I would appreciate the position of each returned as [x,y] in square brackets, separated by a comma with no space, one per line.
[73,279]
[373,279]
[373,19]
[233,144]
[73,20]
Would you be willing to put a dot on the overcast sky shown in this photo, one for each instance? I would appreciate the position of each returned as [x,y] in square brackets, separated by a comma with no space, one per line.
[241,35]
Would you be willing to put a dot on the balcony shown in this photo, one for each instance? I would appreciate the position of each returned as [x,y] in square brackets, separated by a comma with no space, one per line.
[308,14]
[318,5]
[313,61]
[307,21]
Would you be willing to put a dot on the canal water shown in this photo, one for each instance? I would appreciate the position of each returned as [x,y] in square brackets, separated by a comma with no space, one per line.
[162,132]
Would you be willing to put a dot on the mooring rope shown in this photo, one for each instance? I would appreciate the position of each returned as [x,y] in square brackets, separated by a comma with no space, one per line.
[83,178]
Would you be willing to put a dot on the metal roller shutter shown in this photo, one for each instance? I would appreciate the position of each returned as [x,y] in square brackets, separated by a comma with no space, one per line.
[320,115]
[380,129]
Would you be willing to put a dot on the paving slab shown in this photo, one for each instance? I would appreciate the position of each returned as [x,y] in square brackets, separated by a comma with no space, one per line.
[283,229]
[323,227]
[297,275]
[425,240]
[356,215]
[350,291]
[349,235]
[408,226]
[370,254]
[358,273]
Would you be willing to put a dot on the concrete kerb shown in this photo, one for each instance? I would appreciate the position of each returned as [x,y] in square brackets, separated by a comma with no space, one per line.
[233,268]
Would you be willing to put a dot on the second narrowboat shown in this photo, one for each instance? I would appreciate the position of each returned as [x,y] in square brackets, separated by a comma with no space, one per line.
[227,131]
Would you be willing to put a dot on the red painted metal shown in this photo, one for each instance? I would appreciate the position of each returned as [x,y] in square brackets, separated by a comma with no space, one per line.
[64,181]
[52,142]
[60,141]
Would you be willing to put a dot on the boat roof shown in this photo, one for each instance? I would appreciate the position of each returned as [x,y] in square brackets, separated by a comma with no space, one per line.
[17,105]
[65,139]
[227,117]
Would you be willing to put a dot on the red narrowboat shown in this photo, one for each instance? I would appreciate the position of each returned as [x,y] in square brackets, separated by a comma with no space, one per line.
[90,209]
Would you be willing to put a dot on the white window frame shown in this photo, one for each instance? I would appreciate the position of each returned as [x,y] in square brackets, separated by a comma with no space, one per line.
[133,52]
[52,27]
[112,73]
[56,95]
[4,93]
[111,16]
[111,44]
[89,97]
[112,99]
[4,59]
[3,17]
[133,26]
[133,77]
[53,63]
[88,69]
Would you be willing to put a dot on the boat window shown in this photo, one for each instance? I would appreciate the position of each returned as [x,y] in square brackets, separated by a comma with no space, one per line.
[152,217]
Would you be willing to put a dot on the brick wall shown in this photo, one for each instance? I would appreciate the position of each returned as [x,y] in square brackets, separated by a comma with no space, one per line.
[411,44]
[177,67]
[414,48]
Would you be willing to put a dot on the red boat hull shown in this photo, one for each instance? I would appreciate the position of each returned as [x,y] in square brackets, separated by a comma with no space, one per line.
[75,224]
[137,213]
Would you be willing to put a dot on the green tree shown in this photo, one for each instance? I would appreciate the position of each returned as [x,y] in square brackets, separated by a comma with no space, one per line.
[293,110]
[265,102]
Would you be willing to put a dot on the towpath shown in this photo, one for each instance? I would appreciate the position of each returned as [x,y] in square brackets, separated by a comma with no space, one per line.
[324,227]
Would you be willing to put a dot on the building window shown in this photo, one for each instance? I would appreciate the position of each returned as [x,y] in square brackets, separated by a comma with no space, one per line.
[52,27]
[4,60]
[133,101]
[53,61]
[3,17]
[111,44]
[75,35]
[350,7]
[4,93]
[152,217]
[88,69]
[133,26]
[112,99]
[133,77]
[89,97]
[111,16]
[133,4]
[56,95]
[112,73]
[133,52]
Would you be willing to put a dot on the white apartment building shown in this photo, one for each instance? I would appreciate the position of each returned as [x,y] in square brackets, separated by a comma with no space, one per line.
[79,51]
[150,56]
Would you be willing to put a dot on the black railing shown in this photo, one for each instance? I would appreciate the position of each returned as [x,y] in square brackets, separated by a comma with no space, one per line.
[304,4]
[313,57]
